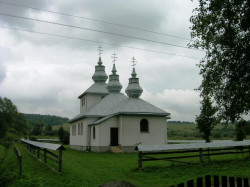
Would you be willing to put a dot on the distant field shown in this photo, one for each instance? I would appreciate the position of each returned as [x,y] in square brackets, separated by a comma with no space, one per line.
[65,127]
[183,131]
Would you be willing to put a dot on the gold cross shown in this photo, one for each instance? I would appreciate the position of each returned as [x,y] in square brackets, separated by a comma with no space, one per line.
[100,50]
[114,57]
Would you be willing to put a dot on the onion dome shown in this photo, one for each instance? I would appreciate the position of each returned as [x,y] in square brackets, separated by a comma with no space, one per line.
[134,89]
[114,84]
[100,75]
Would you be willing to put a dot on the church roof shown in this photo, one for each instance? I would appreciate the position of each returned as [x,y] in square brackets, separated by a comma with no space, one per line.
[96,88]
[117,103]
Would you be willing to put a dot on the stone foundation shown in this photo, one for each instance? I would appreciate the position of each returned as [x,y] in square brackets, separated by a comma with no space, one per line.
[78,147]
[99,149]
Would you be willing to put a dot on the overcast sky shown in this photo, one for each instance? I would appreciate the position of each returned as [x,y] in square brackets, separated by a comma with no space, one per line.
[45,74]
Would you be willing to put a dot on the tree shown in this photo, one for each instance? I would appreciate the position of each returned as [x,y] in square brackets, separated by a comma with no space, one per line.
[61,133]
[222,29]
[37,128]
[206,120]
[10,118]
[241,130]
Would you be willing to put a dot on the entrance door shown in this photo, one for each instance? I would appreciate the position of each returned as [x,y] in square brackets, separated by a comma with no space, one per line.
[113,136]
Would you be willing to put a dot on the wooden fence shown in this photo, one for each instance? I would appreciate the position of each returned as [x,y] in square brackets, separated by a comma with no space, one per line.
[181,151]
[19,159]
[216,181]
[41,149]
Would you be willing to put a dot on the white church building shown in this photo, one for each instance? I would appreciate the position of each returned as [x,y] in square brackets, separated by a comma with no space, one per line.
[109,118]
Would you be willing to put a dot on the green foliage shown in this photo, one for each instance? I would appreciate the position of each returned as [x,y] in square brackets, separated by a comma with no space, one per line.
[206,120]
[221,28]
[62,133]
[37,128]
[66,138]
[240,130]
[10,118]
[45,119]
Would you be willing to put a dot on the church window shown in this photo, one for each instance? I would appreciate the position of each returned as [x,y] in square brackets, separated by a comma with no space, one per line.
[73,130]
[94,132]
[83,100]
[144,125]
[81,128]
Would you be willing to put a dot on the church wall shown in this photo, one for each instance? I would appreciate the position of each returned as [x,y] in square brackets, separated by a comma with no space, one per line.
[131,134]
[89,100]
[93,99]
[80,141]
[105,131]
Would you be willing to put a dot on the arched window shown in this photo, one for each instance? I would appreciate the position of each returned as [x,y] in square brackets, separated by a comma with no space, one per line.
[144,125]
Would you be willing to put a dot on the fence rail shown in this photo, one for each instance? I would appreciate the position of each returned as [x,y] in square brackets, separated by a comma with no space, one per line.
[19,159]
[36,148]
[181,151]
[216,181]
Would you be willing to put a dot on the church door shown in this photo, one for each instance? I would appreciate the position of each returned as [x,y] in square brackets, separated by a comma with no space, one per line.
[113,136]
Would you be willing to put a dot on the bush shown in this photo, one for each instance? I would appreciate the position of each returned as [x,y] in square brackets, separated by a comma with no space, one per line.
[32,138]
[240,130]
[66,138]
[217,135]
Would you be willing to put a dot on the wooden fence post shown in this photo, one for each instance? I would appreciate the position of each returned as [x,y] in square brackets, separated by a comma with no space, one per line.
[216,181]
[199,182]
[45,156]
[139,160]
[239,182]
[38,152]
[208,180]
[231,182]
[20,160]
[224,181]
[60,161]
[246,184]
[201,155]
[190,183]
[181,185]
[249,151]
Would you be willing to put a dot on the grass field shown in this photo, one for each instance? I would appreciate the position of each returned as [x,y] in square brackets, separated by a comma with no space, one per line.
[65,127]
[93,169]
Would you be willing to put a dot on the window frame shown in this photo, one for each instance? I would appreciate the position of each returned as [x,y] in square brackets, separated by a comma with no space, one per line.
[144,126]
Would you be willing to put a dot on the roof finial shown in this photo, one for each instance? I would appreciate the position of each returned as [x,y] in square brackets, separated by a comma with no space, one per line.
[133,60]
[114,57]
[100,50]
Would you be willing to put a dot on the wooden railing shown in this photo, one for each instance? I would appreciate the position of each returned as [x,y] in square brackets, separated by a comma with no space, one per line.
[19,159]
[41,149]
[216,181]
[175,152]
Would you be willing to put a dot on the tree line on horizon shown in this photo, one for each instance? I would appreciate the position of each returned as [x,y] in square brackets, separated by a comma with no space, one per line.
[14,124]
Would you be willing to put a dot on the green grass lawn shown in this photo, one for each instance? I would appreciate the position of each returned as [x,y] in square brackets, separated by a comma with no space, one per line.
[93,169]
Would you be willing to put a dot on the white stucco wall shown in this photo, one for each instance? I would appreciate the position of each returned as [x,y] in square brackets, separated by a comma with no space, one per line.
[129,131]
[104,131]
[89,101]
[131,134]
[80,139]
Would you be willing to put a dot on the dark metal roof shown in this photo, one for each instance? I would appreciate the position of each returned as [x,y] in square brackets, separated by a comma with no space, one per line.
[44,145]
